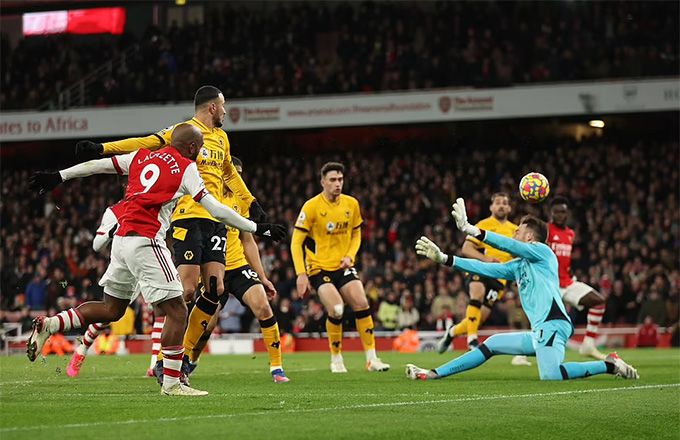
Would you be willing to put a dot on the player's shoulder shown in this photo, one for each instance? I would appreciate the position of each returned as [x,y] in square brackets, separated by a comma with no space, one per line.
[348,200]
[510,225]
[117,209]
[487,222]
[313,202]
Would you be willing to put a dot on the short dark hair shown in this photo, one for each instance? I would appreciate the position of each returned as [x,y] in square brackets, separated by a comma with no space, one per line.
[559,200]
[236,161]
[537,226]
[499,194]
[205,94]
[332,166]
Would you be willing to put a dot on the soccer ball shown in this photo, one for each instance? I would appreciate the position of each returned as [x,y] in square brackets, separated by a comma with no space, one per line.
[534,188]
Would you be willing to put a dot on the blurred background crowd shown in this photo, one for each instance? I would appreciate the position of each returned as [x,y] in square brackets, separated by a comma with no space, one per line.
[624,211]
[277,49]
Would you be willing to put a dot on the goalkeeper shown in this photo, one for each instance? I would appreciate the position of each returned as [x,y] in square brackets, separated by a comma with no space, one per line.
[535,270]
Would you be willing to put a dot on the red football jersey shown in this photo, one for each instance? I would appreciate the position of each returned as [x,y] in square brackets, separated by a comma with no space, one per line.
[118,209]
[560,241]
[156,180]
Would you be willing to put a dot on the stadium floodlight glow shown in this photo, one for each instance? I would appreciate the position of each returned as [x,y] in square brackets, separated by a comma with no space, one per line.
[596,123]
[78,21]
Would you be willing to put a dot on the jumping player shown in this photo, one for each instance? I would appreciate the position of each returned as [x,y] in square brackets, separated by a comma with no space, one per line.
[139,254]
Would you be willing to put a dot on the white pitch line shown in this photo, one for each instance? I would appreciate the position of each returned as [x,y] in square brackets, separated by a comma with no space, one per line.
[51,379]
[334,408]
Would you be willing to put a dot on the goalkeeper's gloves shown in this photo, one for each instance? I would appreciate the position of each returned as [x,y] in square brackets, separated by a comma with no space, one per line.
[89,147]
[43,182]
[272,231]
[460,216]
[256,213]
[428,249]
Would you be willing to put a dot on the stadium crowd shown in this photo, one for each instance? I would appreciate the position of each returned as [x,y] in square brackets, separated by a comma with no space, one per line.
[320,48]
[624,211]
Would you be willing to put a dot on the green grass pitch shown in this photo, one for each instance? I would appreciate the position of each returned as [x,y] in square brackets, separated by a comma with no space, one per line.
[112,400]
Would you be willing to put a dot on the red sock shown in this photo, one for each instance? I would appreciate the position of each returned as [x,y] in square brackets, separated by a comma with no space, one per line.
[594,318]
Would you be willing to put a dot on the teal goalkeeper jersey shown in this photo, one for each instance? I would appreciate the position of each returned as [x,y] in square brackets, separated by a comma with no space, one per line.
[534,269]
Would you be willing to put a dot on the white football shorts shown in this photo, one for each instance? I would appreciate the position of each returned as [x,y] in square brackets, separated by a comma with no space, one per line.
[573,293]
[144,263]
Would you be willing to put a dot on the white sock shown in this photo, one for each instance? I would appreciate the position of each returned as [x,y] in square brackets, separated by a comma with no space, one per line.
[172,364]
[336,358]
[64,321]
[275,367]
[370,355]
[471,338]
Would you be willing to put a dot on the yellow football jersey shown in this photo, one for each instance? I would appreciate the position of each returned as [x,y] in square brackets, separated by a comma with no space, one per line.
[235,256]
[213,161]
[329,229]
[492,224]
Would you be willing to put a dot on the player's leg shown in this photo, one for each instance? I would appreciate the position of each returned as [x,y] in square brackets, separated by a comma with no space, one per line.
[201,315]
[551,339]
[332,301]
[80,353]
[175,311]
[158,322]
[212,259]
[581,295]
[159,283]
[109,310]
[353,293]
[195,352]
[473,316]
[503,343]
[256,299]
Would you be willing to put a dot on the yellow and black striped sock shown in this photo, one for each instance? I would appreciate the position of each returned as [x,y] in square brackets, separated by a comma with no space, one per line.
[473,314]
[272,339]
[200,316]
[334,330]
[365,328]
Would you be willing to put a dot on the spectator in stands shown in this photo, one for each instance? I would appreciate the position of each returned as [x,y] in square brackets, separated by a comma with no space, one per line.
[654,307]
[443,305]
[648,333]
[36,293]
[408,316]
[230,315]
[388,311]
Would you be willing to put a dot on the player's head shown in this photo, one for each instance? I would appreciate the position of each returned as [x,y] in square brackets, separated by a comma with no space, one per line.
[500,206]
[332,178]
[188,140]
[531,229]
[210,99]
[559,210]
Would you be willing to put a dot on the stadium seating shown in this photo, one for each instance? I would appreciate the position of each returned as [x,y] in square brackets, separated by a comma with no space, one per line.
[625,215]
[317,48]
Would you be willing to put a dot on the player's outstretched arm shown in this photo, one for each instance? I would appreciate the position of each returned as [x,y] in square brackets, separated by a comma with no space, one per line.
[152,142]
[528,251]
[45,181]
[231,218]
[427,248]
